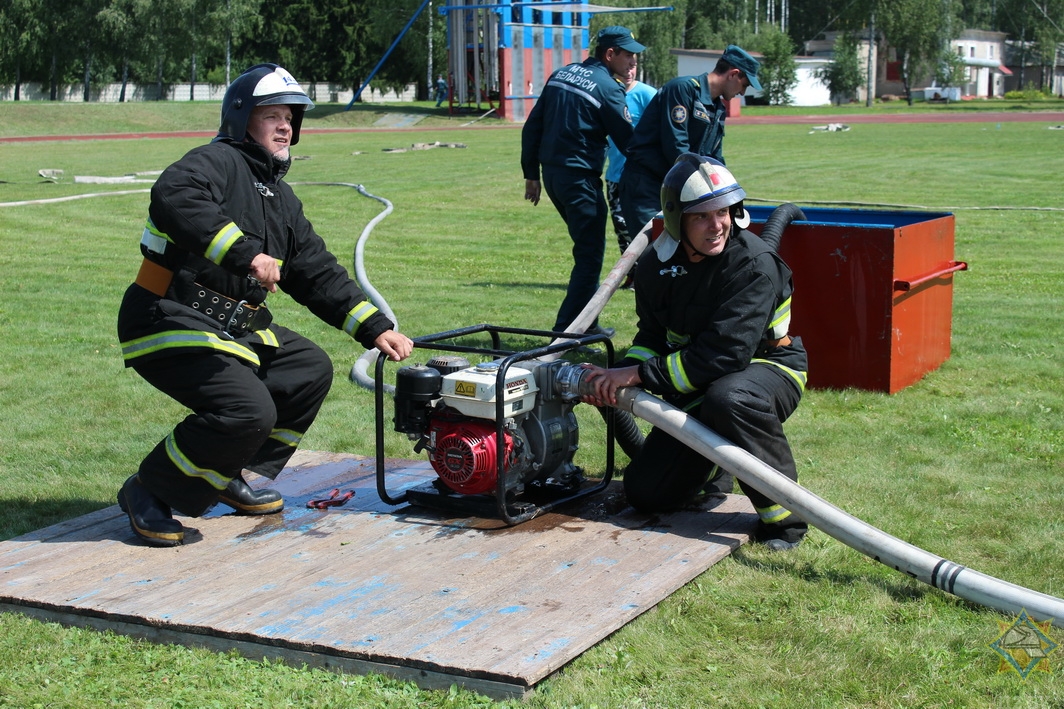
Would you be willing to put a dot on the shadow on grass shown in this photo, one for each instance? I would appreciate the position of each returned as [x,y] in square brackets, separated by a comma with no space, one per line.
[805,571]
[544,286]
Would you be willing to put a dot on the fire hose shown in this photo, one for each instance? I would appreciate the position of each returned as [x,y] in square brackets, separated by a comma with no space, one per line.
[901,556]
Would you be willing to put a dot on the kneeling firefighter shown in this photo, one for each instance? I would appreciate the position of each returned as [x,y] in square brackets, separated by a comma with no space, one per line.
[713,305]
[224,231]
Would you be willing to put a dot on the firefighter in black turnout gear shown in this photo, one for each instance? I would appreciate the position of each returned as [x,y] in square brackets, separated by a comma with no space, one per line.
[714,306]
[223,232]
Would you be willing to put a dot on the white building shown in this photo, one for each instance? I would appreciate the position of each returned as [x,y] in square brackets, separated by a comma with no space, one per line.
[809,91]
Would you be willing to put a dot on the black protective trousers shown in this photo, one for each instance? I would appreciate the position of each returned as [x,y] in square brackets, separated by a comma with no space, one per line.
[748,408]
[241,417]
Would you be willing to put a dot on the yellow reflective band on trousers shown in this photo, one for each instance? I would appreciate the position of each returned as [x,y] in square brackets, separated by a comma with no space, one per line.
[176,339]
[773,514]
[187,467]
[267,337]
[678,374]
[222,242]
[358,315]
[641,354]
[286,436]
[800,378]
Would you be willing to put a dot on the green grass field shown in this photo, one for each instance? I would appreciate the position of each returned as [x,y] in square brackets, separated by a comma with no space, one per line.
[967,463]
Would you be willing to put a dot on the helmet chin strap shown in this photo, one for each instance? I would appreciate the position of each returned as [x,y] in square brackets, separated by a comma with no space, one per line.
[691,245]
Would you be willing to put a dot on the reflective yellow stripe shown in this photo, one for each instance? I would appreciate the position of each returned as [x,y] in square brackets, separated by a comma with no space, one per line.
[186,466]
[174,339]
[676,339]
[222,242]
[286,436]
[641,354]
[782,317]
[678,374]
[358,315]
[153,239]
[267,337]
[799,378]
[773,514]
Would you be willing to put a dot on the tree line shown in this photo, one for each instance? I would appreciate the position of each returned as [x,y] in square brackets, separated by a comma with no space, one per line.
[161,42]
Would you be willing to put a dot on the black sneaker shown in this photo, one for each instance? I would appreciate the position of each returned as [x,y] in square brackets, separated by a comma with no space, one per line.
[599,330]
[149,517]
[244,500]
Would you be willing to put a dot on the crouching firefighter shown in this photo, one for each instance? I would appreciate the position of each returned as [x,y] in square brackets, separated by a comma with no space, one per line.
[223,232]
[713,305]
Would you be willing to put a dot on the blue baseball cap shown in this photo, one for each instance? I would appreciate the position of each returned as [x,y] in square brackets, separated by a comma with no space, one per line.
[620,37]
[740,59]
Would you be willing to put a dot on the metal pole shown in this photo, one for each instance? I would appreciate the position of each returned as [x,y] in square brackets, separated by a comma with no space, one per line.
[385,57]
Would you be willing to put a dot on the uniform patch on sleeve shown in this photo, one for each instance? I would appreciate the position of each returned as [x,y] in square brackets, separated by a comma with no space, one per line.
[627,115]
[679,114]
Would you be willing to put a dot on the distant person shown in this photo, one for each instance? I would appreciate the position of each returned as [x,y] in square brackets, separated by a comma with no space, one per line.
[224,231]
[713,303]
[687,115]
[441,90]
[565,135]
[638,95]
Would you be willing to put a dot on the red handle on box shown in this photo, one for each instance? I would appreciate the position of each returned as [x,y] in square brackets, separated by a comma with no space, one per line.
[912,283]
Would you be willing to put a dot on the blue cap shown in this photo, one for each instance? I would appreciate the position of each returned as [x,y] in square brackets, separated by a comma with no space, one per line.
[740,59]
[620,37]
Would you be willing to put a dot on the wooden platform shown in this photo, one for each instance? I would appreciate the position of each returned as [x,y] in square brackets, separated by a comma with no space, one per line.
[368,587]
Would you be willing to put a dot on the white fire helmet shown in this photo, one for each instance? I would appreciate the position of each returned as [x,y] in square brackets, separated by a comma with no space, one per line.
[261,85]
[696,184]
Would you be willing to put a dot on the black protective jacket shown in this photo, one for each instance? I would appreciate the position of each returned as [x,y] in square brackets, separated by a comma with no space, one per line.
[211,213]
[701,321]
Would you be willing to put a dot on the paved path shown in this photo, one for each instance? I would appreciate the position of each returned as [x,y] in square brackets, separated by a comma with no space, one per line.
[1055,117]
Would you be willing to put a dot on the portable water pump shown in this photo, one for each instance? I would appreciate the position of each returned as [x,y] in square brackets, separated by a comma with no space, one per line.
[499,434]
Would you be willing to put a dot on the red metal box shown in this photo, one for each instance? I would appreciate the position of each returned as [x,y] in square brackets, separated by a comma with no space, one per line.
[873,293]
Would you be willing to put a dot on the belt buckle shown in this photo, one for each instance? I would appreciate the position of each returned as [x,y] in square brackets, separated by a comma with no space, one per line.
[239,329]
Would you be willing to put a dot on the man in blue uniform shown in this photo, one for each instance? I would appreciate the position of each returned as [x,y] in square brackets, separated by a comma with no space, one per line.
[639,96]
[713,302]
[565,134]
[687,115]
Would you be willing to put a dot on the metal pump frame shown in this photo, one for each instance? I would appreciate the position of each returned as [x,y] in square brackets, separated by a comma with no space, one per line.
[511,513]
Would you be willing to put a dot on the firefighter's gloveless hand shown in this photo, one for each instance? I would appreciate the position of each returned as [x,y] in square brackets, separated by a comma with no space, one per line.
[394,344]
[266,271]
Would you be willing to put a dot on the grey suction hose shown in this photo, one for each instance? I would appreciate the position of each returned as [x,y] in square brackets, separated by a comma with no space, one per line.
[874,543]
[360,369]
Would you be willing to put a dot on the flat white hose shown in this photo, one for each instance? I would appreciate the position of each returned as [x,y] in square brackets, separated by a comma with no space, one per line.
[874,543]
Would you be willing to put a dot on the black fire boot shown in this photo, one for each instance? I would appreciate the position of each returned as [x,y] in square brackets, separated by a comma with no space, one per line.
[722,483]
[149,517]
[781,536]
[246,501]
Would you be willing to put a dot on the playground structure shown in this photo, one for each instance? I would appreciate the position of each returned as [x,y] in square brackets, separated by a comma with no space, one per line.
[500,54]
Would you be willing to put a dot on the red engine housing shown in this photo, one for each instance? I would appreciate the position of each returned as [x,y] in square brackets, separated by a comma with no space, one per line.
[464,454]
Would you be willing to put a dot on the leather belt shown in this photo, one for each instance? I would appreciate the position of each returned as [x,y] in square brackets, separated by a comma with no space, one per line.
[154,278]
[235,317]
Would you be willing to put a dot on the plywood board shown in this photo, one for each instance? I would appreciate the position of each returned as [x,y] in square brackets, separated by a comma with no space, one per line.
[370,587]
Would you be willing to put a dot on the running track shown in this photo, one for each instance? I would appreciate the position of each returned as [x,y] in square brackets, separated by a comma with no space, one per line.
[1054,117]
